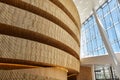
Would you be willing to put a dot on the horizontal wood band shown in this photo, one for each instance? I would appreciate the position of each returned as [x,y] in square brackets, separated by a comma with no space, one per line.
[34,36]
[10,66]
[23,19]
[28,52]
[33,9]
[60,5]
[41,73]
[70,6]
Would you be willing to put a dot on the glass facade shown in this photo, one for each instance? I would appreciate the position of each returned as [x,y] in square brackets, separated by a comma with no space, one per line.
[91,42]
[105,72]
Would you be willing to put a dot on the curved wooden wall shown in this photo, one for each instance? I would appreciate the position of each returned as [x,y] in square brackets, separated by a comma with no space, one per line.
[53,73]
[38,53]
[39,33]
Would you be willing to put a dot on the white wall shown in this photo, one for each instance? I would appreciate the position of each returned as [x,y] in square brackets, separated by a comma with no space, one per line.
[85,7]
[105,59]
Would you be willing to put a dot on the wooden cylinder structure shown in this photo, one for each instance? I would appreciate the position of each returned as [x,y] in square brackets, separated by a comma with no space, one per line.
[39,39]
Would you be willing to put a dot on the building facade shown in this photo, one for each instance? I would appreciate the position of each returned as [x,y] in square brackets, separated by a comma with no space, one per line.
[92,44]
[93,51]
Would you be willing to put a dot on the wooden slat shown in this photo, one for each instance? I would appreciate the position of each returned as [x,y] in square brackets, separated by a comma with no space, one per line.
[28,52]
[38,11]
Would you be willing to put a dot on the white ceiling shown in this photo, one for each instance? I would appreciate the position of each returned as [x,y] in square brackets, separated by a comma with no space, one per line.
[85,7]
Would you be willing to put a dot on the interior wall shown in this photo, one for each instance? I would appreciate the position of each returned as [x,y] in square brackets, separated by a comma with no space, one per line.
[85,73]
[39,39]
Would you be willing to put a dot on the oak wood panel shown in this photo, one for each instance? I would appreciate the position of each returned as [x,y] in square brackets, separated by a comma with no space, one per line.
[70,6]
[36,7]
[22,49]
[85,73]
[50,73]
[60,5]
[10,66]
[29,21]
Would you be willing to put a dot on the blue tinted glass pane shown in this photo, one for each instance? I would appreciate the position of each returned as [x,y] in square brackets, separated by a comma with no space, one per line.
[105,9]
[94,44]
[89,47]
[115,16]
[96,53]
[83,38]
[85,49]
[112,35]
[91,21]
[115,47]
[112,4]
[86,25]
[109,0]
[103,22]
[117,28]
[92,32]
[105,50]
[99,41]
[118,13]
[96,29]
[100,13]
[108,21]
[101,51]
[88,37]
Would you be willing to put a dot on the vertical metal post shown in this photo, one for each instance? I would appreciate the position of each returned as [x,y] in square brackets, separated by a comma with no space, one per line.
[93,72]
[112,78]
[107,44]
[104,73]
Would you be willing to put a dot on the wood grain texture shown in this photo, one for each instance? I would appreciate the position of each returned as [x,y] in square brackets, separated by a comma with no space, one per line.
[22,49]
[10,66]
[60,5]
[26,20]
[34,36]
[70,6]
[51,73]
[48,11]
[39,33]
[85,73]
